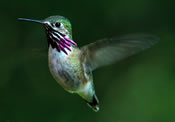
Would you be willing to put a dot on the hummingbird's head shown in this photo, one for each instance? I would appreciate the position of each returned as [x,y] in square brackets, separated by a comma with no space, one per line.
[59,24]
[58,31]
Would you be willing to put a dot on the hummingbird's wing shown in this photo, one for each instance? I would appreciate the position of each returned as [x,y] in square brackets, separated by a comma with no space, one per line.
[108,51]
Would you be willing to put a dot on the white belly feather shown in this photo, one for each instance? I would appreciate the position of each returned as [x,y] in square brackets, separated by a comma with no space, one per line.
[63,70]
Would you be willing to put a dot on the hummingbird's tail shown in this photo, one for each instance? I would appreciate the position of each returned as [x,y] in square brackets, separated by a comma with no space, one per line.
[94,104]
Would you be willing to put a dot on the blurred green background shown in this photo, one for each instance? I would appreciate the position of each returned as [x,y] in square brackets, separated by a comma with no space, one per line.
[138,89]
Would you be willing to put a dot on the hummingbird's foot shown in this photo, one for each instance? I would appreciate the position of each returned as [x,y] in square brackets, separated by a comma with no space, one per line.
[94,104]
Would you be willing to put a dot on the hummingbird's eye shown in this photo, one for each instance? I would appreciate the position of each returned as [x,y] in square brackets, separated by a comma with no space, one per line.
[57,24]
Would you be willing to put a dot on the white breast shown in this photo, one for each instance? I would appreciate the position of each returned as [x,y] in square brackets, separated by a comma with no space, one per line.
[57,61]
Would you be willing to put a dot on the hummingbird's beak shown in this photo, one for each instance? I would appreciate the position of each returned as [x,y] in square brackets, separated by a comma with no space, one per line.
[31,20]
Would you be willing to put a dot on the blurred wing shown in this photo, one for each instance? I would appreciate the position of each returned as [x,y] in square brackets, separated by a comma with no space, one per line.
[108,51]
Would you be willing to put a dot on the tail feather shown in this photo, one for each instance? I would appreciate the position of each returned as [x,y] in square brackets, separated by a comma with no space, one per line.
[94,104]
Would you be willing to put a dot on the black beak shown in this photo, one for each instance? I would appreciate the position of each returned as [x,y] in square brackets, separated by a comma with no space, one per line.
[31,20]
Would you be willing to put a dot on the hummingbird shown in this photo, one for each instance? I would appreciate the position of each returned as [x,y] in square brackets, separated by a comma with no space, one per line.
[72,66]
